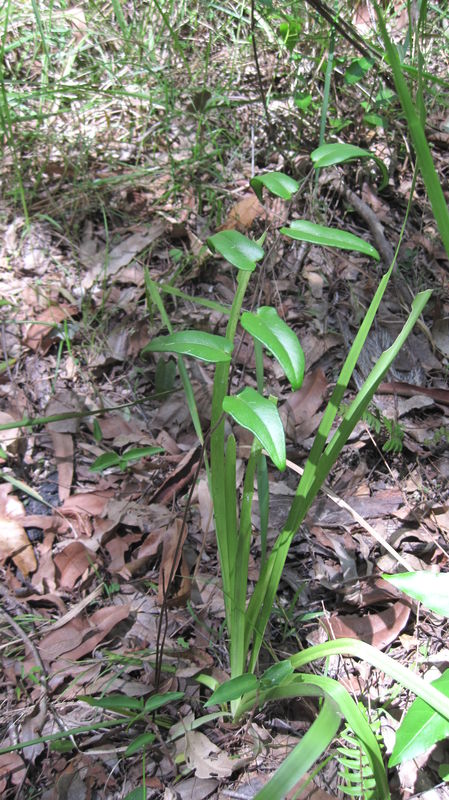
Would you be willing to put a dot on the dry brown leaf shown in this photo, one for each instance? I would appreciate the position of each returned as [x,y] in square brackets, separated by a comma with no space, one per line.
[379,630]
[207,759]
[11,440]
[72,562]
[173,541]
[82,635]
[11,764]
[14,543]
[121,255]
[243,214]
[40,334]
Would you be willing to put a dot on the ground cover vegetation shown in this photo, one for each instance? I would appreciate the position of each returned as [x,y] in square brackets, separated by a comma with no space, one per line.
[223,426]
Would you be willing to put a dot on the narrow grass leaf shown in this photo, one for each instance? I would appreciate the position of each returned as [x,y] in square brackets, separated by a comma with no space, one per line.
[268,328]
[240,251]
[159,700]
[277,183]
[261,417]
[418,135]
[104,461]
[430,588]
[114,702]
[139,743]
[135,453]
[305,231]
[198,344]
[303,756]
[421,727]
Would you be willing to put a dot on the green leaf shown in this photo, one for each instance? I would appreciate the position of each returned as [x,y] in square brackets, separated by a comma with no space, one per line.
[421,727]
[306,231]
[277,183]
[237,249]
[339,152]
[358,69]
[159,700]
[115,702]
[199,344]
[233,689]
[137,794]
[104,461]
[134,453]
[275,674]
[430,588]
[268,328]
[260,416]
[139,743]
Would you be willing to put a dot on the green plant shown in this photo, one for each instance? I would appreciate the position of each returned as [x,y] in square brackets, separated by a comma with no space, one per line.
[246,623]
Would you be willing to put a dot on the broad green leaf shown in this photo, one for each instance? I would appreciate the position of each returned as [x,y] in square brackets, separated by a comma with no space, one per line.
[139,743]
[135,453]
[268,328]
[260,416]
[233,689]
[358,69]
[115,702]
[159,700]
[338,152]
[277,183]
[421,727]
[199,344]
[236,248]
[104,461]
[306,231]
[430,588]
[290,32]
[274,675]
[137,794]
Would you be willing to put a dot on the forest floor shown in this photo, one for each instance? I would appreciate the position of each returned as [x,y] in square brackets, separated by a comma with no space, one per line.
[86,607]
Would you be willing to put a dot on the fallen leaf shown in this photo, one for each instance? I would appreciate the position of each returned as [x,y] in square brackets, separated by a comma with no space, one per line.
[72,562]
[40,335]
[172,544]
[14,543]
[109,263]
[207,759]
[243,214]
[82,635]
[379,630]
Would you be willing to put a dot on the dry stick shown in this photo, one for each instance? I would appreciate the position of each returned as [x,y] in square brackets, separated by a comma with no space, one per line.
[163,616]
[358,518]
[258,72]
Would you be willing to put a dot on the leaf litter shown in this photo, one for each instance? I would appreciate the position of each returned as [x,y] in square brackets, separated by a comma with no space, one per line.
[96,576]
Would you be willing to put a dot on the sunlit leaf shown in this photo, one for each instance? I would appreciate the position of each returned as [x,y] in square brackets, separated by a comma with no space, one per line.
[430,588]
[277,183]
[240,251]
[421,727]
[339,152]
[233,689]
[306,231]
[274,675]
[260,416]
[134,453]
[268,328]
[104,461]
[199,344]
